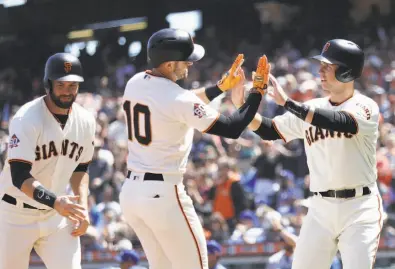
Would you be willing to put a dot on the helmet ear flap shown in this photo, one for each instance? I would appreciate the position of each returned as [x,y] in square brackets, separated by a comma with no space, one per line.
[48,84]
[344,74]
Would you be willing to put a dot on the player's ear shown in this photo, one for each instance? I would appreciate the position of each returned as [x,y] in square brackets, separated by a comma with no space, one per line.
[170,66]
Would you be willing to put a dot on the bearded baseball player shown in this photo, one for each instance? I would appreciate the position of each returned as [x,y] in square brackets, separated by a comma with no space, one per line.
[161,118]
[50,147]
[340,133]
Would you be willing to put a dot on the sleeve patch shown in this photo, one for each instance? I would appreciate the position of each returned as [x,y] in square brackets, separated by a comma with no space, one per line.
[14,141]
[198,110]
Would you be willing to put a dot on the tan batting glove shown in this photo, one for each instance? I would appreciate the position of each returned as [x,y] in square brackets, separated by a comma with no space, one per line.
[260,78]
[231,78]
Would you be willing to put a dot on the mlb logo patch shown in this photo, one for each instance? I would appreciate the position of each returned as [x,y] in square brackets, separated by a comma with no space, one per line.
[326,47]
[198,110]
[14,141]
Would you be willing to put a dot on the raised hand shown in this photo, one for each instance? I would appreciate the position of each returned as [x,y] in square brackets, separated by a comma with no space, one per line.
[278,93]
[237,94]
[231,78]
[260,78]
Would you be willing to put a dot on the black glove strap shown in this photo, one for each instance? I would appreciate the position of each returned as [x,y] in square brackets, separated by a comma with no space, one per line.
[299,110]
[213,92]
[44,196]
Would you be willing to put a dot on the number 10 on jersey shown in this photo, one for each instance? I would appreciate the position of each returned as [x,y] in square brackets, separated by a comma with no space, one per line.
[133,122]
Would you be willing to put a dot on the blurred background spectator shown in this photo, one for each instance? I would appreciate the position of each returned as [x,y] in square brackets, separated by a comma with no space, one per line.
[128,259]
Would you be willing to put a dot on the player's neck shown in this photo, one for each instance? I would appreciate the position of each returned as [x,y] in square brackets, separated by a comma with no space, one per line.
[343,95]
[162,72]
[54,108]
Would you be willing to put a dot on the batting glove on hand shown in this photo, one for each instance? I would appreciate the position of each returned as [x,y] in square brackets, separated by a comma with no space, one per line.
[260,78]
[231,78]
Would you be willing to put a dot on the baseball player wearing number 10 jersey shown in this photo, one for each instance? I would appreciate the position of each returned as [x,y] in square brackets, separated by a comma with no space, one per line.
[340,134]
[161,118]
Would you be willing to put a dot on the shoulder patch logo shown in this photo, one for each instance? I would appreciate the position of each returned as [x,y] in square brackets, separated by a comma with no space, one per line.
[14,141]
[198,110]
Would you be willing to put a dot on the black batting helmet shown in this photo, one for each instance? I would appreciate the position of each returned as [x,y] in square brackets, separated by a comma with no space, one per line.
[348,55]
[62,67]
[172,45]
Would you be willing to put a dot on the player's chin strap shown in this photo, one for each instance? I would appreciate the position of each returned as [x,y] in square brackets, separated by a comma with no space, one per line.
[48,84]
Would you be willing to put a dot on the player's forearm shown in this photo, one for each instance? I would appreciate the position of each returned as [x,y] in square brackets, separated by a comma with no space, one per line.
[323,118]
[79,183]
[29,185]
[233,126]
[266,129]
[207,94]
[23,180]
[33,188]
[255,123]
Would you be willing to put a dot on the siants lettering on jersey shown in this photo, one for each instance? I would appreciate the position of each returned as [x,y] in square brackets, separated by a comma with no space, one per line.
[314,134]
[70,149]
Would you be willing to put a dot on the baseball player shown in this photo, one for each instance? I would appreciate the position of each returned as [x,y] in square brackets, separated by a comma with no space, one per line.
[340,133]
[50,147]
[161,117]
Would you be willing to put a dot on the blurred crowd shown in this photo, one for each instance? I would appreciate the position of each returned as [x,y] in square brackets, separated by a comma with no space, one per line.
[245,191]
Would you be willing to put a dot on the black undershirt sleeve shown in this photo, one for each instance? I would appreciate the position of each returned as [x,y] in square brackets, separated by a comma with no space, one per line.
[339,121]
[20,171]
[234,125]
[82,167]
[266,130]
[213,92]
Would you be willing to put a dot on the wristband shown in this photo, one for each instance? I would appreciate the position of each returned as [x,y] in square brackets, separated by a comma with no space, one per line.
[299,110]
[44,196]
[213,92]
[258,90]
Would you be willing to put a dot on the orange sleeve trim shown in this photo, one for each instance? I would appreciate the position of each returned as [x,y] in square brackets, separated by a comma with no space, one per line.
[212,124]
[355,120]
[190,228]
[278,131]
[19,160]
[378,236]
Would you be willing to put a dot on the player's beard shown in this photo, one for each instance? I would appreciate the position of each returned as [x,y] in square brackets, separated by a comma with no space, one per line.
[59,103]
[180,71]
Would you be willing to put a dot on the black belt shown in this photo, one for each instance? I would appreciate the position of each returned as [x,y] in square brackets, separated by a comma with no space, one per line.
[348,193]
[149,176]
[11,200]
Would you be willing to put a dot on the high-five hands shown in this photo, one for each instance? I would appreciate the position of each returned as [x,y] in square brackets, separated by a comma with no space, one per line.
[260,78]
[231,78]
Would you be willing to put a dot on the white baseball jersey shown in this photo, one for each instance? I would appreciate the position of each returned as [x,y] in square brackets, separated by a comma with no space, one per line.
[337,160]
[37,138]
[161,117]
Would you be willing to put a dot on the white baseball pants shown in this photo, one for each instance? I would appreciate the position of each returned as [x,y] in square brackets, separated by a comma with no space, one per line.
[167,226]
[351,226]
[48,232]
